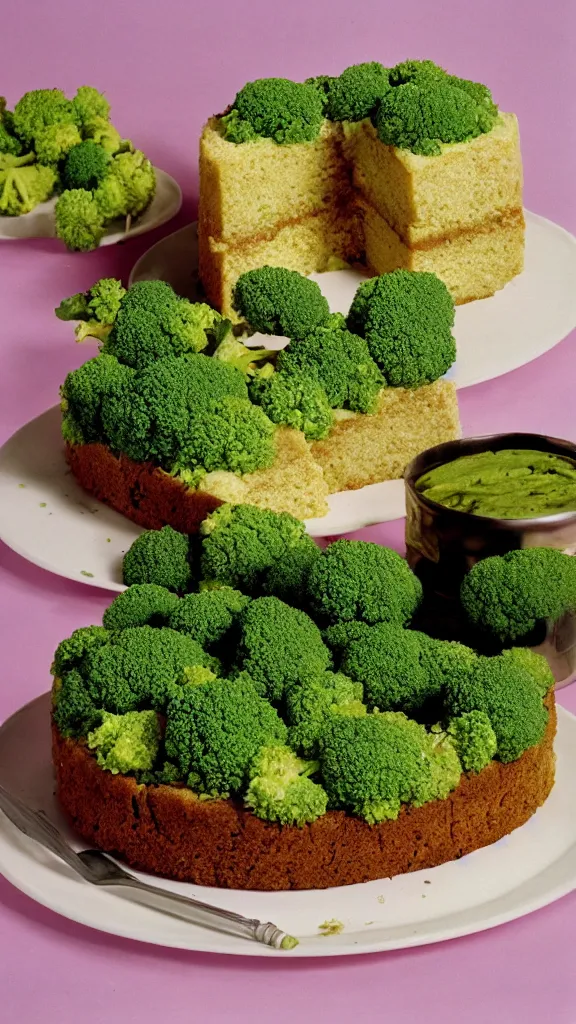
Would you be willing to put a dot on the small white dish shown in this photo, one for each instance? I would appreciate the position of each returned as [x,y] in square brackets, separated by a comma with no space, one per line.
[528,317]
[527,870]
[39,223]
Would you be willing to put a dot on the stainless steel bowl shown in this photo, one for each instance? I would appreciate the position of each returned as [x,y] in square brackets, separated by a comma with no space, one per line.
[442,544]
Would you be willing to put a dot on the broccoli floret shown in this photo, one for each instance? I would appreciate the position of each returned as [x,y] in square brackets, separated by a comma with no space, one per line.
[295,400]
[136,176]
[274,300]
[394,666]
[418,71]
[357,579]
[358,90]
[280,789]
[233,435]
[197,675]
[287,579]
[275,108]
[74,711]
[55,142]
[22,186]
[311,703]
[126,743]
[144,604]
[535,664]
[79,223]
[85,167]
[85,390]
[40,108]
[509,594]
[90,104]
[322,84]
[140,666]
[214,732]
[508,694]
[9,144]
[279,646]
[209,615]
[246,359]
[104,134]
[407,318]
[161,557]
[96,309]
[474,740]
[340,362]
[71,651]
[342,634]
[372,764]
[241,543]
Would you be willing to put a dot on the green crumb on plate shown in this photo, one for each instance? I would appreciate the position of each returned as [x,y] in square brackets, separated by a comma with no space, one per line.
[332,927]
[289,942]
[381,899]
[84,572]
[43,504]
[21,485]
[108,539]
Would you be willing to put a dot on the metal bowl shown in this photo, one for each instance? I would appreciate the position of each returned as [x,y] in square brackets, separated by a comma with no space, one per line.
[443,544]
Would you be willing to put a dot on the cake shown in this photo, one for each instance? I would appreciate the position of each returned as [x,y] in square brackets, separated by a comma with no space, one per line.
[180,412]
[403,168]
[275,721]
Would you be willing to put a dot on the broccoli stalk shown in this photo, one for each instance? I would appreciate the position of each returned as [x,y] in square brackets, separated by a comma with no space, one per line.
[232,351]
[96,309]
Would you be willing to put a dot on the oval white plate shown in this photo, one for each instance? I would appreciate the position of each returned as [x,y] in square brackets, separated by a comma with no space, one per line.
[526,870]
[39,223]
[493,336]
[46,517]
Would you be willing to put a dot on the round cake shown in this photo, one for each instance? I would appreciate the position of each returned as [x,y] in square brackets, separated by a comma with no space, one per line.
[256,713]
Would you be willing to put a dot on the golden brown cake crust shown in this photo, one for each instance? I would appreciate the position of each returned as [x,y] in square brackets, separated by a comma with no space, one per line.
[168,831]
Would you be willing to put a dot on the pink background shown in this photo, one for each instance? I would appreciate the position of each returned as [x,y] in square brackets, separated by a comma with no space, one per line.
[165,67]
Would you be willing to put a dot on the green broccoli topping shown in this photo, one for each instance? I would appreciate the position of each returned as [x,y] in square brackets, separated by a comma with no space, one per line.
[71,651]
[311,703]
[197,675]
[340,362]
[86,390]
[357,579]
[509,695]
[9,144]
[274,300]
[407,318]
[395,666]
[241,543]
[40,108]
[474,739]
[55,142]
[296,401]
[209,615]
[89,104]
[214,732]
[233,435]
[161,557]
[279,646]
[85,166]
[280,789]
[79,223]
[372,764]
[288,579]
[74,711]
[23,186]
[108,137]
[144,604]
[535,664]
[96,309]
[126,743]
[342,634]
[275,108]
[508,595]
[357,92]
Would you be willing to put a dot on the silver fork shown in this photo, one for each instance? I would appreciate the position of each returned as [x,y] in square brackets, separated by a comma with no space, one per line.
[99,869]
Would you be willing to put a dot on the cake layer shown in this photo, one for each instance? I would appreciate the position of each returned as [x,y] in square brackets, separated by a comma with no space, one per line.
[169,831]
[150,497]
[367,449]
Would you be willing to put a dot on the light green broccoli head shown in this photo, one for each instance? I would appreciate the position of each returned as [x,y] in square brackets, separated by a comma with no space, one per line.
[105,135]
[296,401]
[137,177]
[197,675]
[280,789]
[23,185]
[126,743]
[96,309]
[474,739]
[55,142]
[79,223]
[38,109]
[89,104]
[535,664]
[311,702]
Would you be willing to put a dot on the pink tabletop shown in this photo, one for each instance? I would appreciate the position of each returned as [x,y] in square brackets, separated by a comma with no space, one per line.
[165,67]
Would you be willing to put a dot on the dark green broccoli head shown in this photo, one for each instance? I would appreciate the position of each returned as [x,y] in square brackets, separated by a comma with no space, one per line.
[233,435]
[241,543]
[356,579]
[394,664]
[356,92]
[79,222]
[279,646]
[71,651]
[418,71]
[322,84]
[535,664]
[89,104]
[85,166]
[287,579]
[39,108]
[311,703]
[274,300]
[144,604]
[372,764]
[86,389]
[161,557]
[407,318]
[214,732]
[275,108]
[209,615]
[508,595]
[139,667]
[280,789]
[511,698]
[74,711]
[342,634]
[340,362]
[296,401]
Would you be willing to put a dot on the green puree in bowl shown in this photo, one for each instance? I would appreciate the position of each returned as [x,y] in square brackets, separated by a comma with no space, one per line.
[514,484]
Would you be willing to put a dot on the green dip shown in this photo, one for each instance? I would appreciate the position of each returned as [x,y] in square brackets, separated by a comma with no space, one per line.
[504,485]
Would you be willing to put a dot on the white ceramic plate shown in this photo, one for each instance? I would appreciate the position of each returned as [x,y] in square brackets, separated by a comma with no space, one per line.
[493,336]
[526,870]
[46,517]
[39,223]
